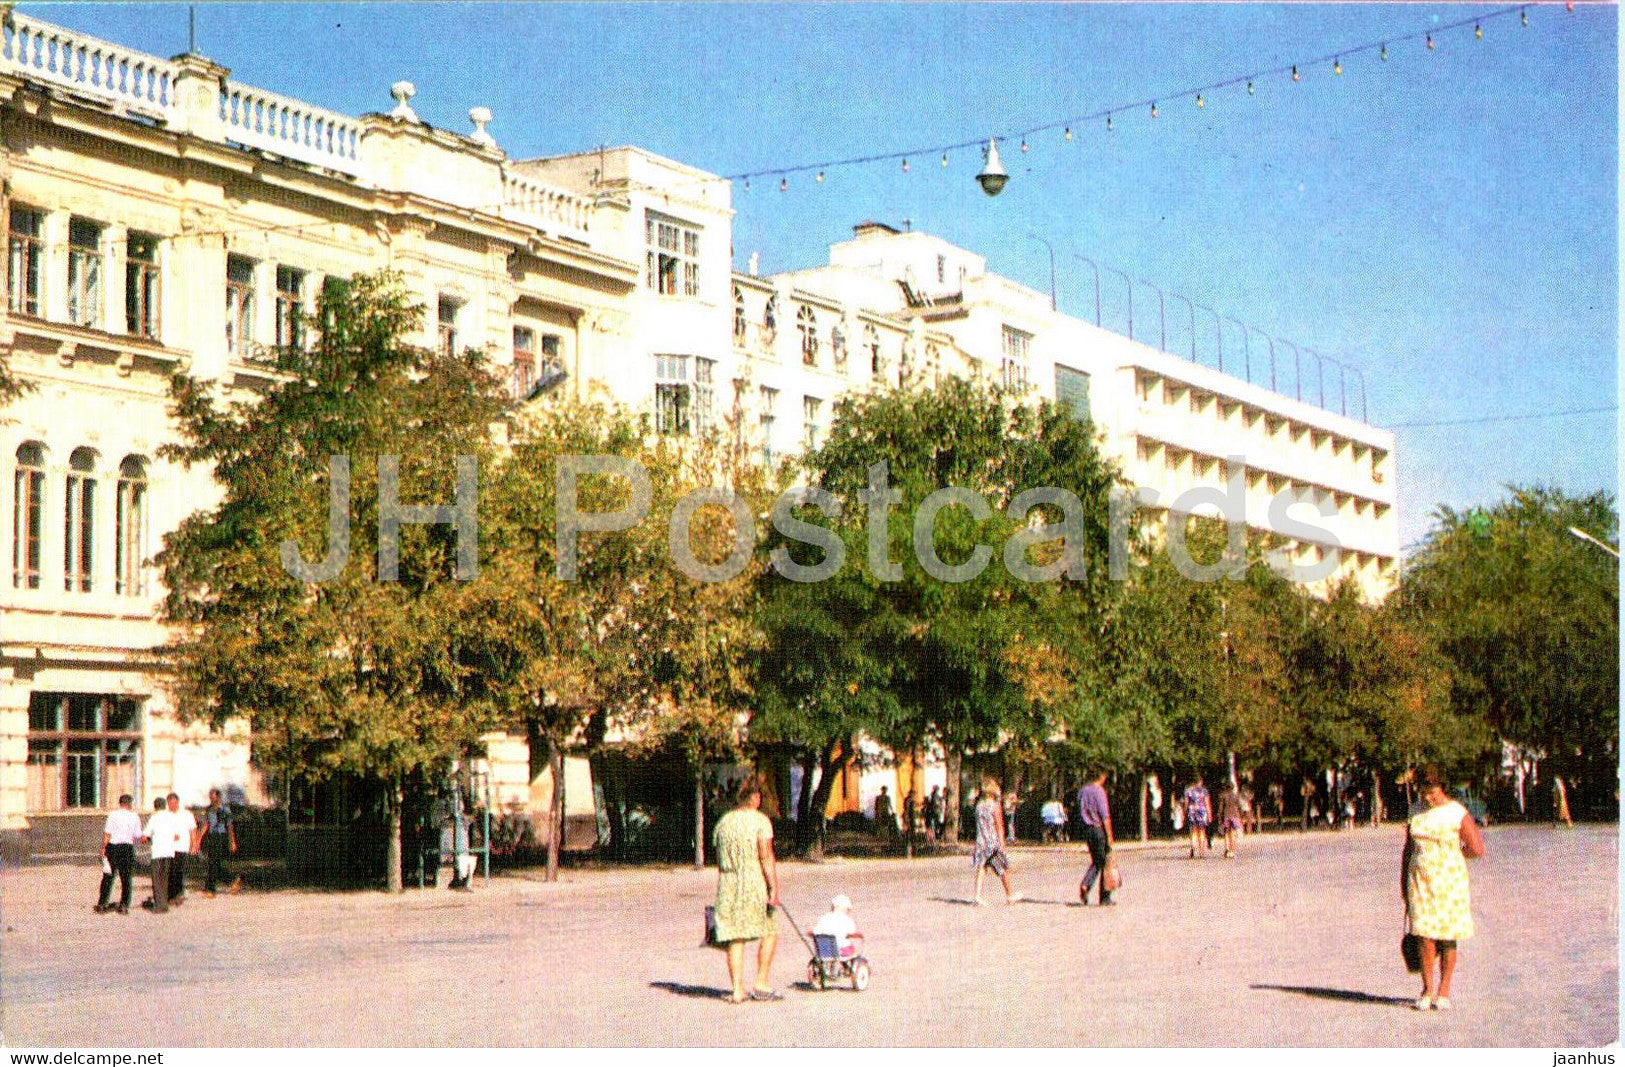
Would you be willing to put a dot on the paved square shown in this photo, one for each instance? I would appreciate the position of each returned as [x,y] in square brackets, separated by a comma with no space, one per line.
[1295,943]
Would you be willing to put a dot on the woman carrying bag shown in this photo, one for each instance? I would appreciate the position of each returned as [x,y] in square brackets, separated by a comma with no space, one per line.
[1439,840]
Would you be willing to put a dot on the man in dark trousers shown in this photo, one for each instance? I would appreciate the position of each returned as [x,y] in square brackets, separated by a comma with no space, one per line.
[1095,821]
[119,835]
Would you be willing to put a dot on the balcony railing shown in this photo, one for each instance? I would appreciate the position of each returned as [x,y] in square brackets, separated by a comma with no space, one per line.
[291,128]
[130,81]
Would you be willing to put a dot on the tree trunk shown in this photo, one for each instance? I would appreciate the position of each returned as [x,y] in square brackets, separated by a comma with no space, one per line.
[1376,798]
[392,853]
[699,817]
[950,799]
[810,835]
[607,774]
[916,796]
[555,815]
[1145,807]
[809,768]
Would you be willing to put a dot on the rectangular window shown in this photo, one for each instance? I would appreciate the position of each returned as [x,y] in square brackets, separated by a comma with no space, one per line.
[672,256]
[446,325]
[239,304]
[290,308]
[130,529]
[704,393]
[1015,347]
[811,407]
[672,395]
[25,261]
[141,292]
[1072,391]
[85,273]
[79,532]
[524,361]
[83,750]
[28,517]
[769,419]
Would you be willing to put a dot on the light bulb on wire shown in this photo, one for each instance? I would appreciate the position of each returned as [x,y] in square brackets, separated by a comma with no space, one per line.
[1523,17]
[1337,65]
[1478,31]
[1108,122]
[1431,45]
[1383,55]
[1068,134]
[1249,87]
[1153,110]
[820,178]
[1199,101]
[1024,147]
[784,185]
[905,164]
[944,161]
[1295,75]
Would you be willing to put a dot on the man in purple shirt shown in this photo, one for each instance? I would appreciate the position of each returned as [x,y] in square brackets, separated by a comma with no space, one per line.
[1095,816]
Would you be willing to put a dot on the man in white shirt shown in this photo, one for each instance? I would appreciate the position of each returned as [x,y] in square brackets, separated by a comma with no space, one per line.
[171,832]
[119,835]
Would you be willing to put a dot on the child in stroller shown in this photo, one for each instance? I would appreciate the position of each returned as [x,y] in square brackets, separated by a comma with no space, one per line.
[837,945]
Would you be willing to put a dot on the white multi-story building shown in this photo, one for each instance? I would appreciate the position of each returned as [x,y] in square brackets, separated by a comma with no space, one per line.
[161,215]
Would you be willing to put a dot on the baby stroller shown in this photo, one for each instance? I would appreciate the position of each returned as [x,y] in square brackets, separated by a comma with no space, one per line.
[828,965]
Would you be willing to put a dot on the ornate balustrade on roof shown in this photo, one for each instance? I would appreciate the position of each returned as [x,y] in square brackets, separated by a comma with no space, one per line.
[559,213]
[129,81]
[292,128]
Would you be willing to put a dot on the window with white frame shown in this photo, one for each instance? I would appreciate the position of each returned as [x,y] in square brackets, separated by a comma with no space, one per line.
[811,411]
[1016,344]
[769,418]
[871,346]
[807,328]
[837,347]
[79,523]
[770,319]
[239,304]
[446,311]
[25,261]
[27,515]
[130,528]
[675,394]
[524,361]
[85,273]
[673,255]
[739,317]
[83,750]
[290,307]
[141,292]
[704,393]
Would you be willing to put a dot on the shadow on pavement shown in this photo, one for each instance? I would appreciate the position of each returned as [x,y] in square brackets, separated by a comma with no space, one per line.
[953,900]
[703,992]
[1350,995]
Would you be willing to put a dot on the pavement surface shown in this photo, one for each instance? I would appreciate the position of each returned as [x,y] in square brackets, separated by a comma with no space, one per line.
[1294,943]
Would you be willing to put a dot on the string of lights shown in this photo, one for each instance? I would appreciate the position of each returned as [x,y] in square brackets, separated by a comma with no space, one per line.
[1200,95]
[1517,417]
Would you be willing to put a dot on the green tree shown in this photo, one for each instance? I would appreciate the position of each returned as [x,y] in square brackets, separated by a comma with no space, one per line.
[1528,616]
[355,672]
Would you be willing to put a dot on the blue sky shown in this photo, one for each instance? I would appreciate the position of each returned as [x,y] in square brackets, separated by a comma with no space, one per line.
[1445,220]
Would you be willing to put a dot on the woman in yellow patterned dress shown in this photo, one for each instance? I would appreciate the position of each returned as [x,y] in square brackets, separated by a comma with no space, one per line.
[1433,878]
[747,892]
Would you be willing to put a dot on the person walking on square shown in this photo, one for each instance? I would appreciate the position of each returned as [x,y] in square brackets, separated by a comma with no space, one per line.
[990,854]
[747,892]
[1307,792]
[1230,815]
[119,835]
[170,835]
[187,843]
[933,814]
[1053,814]
[219,838]
[1439,840]
[1095,823]
[1198,807]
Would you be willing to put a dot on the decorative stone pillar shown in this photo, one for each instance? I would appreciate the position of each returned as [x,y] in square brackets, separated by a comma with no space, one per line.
[197,97]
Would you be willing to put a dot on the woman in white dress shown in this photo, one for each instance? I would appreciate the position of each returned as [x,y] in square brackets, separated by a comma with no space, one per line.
[1433,879]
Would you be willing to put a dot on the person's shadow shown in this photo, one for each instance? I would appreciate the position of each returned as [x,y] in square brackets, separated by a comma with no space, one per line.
[703,992]
[1350,996]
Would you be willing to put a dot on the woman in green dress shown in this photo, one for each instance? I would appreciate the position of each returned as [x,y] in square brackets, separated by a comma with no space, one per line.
[747,892]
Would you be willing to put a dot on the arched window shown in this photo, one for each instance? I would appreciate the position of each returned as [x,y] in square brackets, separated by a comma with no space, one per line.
[79,523]
[130,531]
[739,316]
[27,516]
[837,344]
[871,344]
[770,319]
[807,327]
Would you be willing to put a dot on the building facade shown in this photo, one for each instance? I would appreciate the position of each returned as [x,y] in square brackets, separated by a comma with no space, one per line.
[160,216]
